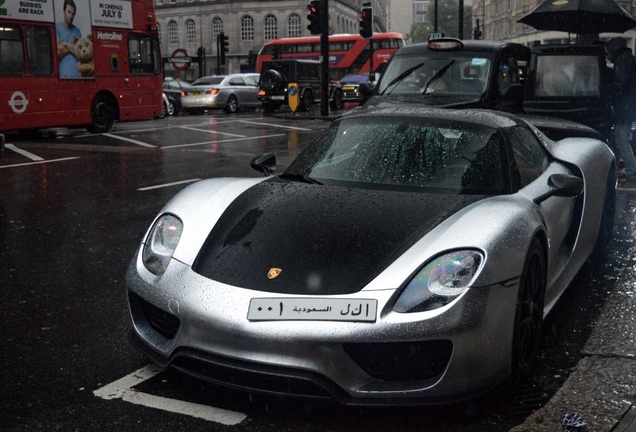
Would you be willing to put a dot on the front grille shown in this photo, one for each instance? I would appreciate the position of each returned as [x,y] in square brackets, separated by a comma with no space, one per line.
[159,320]
[254,377]
[401,361]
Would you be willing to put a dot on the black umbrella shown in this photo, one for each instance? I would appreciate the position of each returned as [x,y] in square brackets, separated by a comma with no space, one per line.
[580,16]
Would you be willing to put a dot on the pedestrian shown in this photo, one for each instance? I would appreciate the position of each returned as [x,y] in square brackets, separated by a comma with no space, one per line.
[624,104]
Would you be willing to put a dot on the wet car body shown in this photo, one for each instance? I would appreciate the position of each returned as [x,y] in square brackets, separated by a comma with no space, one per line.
[475,74]
[368,284]
[351,87]
[175,89]
[228,92]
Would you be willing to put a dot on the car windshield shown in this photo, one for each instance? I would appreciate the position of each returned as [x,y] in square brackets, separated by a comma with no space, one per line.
[354,79]
[405,152]
[461,75]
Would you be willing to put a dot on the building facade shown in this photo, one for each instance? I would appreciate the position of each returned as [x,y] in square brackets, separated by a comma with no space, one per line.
[498,21]
[192,24]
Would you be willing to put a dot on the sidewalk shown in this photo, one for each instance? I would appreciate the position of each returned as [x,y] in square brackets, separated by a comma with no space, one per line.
[602,386]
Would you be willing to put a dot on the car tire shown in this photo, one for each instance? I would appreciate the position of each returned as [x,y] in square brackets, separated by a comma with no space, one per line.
[529,312]
[272,80]
[103,114]
[606,226]
[231,106]
[171,108]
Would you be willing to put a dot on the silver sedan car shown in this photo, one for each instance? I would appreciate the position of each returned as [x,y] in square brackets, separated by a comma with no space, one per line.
[228,92]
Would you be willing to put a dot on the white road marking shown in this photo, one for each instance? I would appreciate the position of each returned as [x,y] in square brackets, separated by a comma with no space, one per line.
[122,389]
[38,162]
[23,152]
[275,125]
[212,131]
[139,143]
[222,141]
[147,188]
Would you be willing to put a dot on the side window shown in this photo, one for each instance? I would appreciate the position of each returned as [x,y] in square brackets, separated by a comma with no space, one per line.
[142,55]
[11,53]
[39,50]
[530,156]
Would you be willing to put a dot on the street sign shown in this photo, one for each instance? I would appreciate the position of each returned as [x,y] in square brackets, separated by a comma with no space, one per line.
[293,98]
[180,59]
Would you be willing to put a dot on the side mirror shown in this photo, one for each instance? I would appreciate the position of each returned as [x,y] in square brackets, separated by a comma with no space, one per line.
[265,163]
[562,185]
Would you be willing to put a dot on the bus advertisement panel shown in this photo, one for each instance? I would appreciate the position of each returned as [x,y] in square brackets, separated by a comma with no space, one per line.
[78,63]
[348,53]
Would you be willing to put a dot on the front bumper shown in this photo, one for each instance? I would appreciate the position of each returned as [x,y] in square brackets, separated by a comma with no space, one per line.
[200,327]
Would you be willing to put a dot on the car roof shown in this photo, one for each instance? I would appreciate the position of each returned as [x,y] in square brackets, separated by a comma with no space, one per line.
[485,117]
[484,46]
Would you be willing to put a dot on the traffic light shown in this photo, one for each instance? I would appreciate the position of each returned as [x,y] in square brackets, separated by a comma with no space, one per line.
[314,26]
[366,22]
[201,54]
[477,31]
[224,46]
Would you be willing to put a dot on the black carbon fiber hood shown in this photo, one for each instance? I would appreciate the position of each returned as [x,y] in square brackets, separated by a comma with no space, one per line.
[325,240]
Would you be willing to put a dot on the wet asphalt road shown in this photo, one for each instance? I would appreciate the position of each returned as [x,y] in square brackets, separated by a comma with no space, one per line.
[73,208]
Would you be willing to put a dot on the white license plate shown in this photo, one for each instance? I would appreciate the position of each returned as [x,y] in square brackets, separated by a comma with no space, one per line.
[277,98]
[312,309]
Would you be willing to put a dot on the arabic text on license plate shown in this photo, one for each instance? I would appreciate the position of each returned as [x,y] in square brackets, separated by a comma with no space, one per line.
[276,97]
[315,309]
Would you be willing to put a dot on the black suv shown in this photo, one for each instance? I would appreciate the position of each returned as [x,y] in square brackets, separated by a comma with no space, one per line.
[277,74]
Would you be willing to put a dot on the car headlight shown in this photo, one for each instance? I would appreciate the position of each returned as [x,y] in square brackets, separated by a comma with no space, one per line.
[161,243]
[440,281]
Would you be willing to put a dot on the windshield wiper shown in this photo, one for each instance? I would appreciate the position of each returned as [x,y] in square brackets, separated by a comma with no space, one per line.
[300,177]
[438,75]
[401,76]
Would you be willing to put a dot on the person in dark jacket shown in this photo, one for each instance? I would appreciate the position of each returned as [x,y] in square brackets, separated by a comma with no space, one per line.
[624,104]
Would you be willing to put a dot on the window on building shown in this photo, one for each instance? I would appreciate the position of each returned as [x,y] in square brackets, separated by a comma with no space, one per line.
[217,27]
[271,27]
[191,31]
[173,33]
[293,26]
[247,28]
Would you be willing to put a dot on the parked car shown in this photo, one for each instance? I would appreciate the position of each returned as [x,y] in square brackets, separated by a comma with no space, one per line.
[351,87]
[175,89]
[506,76]
[167,108]
[276,75]
[228,92]
[358,274]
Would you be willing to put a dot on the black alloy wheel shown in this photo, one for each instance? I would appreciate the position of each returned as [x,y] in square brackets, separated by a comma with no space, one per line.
[529,312]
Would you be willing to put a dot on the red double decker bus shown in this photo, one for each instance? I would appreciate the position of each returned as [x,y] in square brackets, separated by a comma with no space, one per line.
[348,53]
[78,63]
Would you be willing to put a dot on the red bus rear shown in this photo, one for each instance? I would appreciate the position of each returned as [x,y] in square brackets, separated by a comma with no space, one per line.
[348,53]
[78,63]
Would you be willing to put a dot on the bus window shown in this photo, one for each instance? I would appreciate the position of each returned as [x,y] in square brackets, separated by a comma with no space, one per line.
[39,50]
[142,55]
[11,54]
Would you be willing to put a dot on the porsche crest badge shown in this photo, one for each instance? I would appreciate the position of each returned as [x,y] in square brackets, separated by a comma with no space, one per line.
[273,273]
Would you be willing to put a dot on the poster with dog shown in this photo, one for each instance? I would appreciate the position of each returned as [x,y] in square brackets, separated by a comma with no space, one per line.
[74,45]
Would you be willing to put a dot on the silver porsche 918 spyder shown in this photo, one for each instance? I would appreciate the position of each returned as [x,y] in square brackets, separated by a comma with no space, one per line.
[408,255]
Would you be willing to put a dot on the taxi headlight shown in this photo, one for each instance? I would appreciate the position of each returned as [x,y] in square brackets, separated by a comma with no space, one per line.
[161,243]
[440,281]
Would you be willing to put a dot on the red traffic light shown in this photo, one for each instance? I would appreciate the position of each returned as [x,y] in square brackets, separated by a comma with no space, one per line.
[312,9]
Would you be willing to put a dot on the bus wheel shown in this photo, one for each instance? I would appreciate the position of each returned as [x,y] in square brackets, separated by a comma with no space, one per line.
[103,114]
